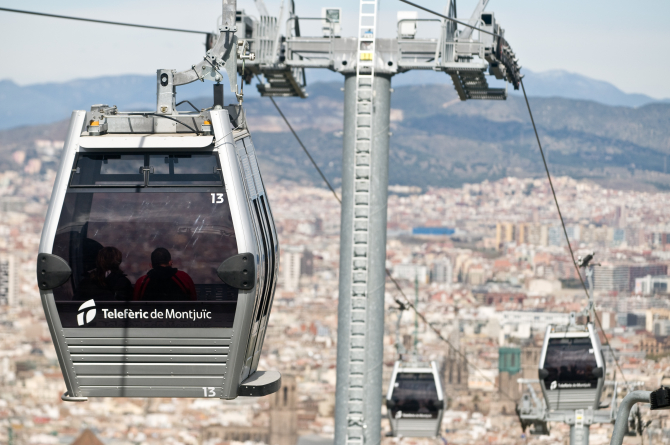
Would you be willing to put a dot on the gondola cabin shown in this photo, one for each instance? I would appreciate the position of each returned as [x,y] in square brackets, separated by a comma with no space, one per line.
[414,401]
[572,367]
[158,259]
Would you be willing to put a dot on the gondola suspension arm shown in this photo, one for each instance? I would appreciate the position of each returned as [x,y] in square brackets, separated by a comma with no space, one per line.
[224,53]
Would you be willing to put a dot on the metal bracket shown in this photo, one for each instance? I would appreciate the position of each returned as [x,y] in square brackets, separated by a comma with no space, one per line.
[52,271]
[259,384]
[224,52]
[66,398]
[200,78]
[238,271]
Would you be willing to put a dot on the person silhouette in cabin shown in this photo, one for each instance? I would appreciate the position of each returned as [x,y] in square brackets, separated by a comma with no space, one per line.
[106,282]
[164,282]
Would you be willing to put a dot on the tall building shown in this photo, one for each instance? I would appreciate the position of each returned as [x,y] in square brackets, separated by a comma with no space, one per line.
[522,233]
[442,271]
[635,236]
[455,370]
[12,204]
[621,277]
[660,240]
[652,285]
[530,361]
[611,278]
[537,234]
[307,263]
[620,217]
[505,233]
[509,365]
[296,261]
[291,262]
[410,272]
[8,280]
[555,236]
[283,413]
[642,271]
[574,232]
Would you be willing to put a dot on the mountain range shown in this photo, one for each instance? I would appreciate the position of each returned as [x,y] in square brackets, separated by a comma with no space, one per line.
[440,141]
[51,102]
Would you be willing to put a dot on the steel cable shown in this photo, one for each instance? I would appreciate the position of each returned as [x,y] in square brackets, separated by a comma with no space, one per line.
[388,273]
[290,127]
[565,231]
[104,22]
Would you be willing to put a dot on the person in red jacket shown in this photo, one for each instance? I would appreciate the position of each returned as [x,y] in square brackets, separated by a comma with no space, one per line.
[164,282]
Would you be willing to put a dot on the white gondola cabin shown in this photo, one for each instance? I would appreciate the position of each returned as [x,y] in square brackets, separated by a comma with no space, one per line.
[572,367]
[414,401]
[158,260]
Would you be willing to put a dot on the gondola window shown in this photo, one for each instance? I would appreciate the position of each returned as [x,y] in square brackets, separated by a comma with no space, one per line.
[118,212]
[415,395]
[570,363]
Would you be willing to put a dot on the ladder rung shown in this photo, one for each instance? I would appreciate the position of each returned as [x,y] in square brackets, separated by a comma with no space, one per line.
[360,239]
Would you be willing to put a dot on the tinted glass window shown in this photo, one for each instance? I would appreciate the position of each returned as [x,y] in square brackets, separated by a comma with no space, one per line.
[150,170]
[415,396]
[570,363]
[97,229]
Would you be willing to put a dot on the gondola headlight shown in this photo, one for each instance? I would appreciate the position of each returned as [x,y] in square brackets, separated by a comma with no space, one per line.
[97,127]
[206,127]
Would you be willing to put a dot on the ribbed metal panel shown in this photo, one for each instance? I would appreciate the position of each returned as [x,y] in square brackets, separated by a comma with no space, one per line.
[570,398]
[416,427]
[157,380]
[155,368]
[116,365]
[149,391]
[118,349]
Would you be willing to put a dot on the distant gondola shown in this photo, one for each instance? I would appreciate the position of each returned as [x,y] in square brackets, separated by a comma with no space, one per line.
[158,260]
[414,401]
[572,368]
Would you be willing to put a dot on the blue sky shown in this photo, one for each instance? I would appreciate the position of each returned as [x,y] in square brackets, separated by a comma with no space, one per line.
[616,41]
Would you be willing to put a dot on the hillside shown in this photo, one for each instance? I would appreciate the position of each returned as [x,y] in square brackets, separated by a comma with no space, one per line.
[440,141]
[55,100]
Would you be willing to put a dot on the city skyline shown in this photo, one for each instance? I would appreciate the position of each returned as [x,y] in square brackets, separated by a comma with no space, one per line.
[491,296]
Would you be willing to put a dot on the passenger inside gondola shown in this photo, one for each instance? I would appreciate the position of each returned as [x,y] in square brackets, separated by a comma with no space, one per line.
[106,281]
[164,282]
[180,205]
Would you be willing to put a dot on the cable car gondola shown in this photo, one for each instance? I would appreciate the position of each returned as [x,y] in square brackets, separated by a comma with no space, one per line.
[414,401]
[158,258]
[572,368]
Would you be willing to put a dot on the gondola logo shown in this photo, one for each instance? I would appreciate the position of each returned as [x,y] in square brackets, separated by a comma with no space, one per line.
[86,313]
[553,385]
